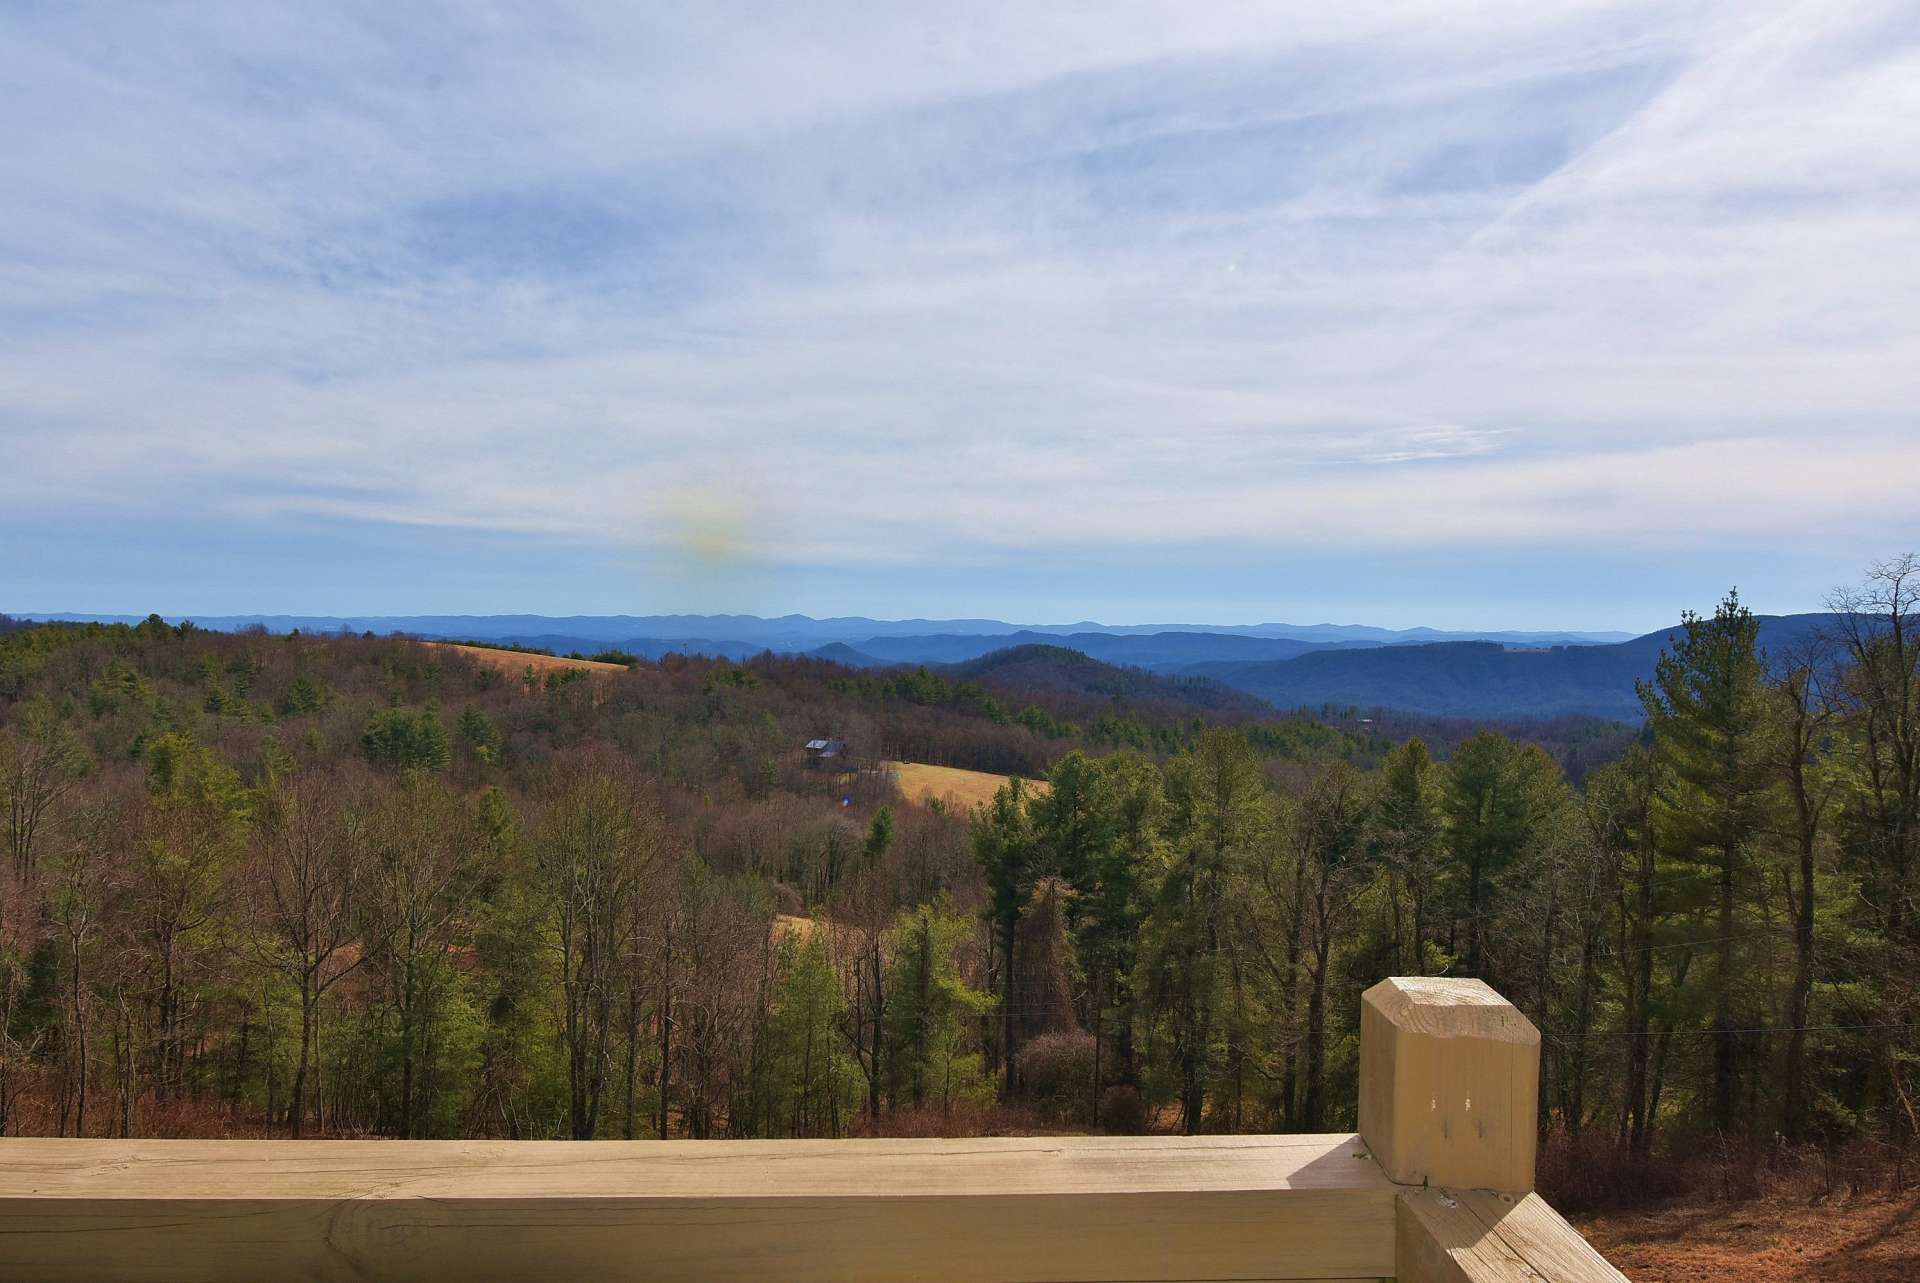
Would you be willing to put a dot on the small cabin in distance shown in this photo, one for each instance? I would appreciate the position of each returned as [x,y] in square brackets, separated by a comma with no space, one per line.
[826,754]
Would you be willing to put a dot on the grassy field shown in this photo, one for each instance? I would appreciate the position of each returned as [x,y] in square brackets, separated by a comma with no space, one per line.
[789,924]
[518,661]
[950,784]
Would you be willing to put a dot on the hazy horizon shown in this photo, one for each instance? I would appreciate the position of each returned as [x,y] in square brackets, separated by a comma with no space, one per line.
[820,617]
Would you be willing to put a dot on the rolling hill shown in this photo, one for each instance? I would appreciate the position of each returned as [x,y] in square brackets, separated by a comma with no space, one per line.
[1056,668]
[1157,651]
[841,653]
[1477,679]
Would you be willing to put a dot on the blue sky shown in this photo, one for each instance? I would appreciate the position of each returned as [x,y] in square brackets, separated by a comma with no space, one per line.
[1491,315]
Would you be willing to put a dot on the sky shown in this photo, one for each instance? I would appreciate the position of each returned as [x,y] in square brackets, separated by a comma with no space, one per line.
[1468,315]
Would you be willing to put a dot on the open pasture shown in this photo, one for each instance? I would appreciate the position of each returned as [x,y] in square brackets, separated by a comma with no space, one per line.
[518,661]
[950,784]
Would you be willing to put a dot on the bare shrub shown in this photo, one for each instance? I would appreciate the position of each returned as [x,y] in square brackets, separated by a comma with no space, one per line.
[1590,1174]
[1595,1174]
[962,1118]
[1123,1111]
[1057,1069]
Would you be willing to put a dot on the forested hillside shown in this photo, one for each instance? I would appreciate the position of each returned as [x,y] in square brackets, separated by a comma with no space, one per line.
[368,884]
[1057,668]
[1480,679]
[358,885]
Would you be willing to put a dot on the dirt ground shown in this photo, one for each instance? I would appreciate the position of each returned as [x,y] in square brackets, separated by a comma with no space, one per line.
[966,789]
[1869,1239]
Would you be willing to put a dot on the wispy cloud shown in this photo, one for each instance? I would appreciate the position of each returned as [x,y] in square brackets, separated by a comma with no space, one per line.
[948,287]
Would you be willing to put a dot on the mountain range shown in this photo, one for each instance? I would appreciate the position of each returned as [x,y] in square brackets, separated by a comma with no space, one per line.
[1479,679]
[803,632]
[1494,675]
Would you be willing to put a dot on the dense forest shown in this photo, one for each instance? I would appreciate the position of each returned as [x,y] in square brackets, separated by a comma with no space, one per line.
[311,885]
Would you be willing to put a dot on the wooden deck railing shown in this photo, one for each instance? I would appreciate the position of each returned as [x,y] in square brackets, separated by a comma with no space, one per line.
[1435,1186]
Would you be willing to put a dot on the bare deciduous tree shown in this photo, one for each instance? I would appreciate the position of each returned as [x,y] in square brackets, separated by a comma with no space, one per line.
[300,895]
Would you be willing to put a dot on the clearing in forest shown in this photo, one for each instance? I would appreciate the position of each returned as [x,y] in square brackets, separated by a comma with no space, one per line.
[950,784]
[518,661]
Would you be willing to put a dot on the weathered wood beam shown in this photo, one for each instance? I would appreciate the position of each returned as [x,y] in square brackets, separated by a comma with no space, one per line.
[1449,1084]
[1065,1208]
[1475,1236]
[1438,1239]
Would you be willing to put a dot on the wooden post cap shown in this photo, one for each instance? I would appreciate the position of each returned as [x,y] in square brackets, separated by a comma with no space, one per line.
[1449,1084]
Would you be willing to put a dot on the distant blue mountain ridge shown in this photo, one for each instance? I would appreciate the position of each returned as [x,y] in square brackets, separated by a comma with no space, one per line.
[803,632]
[1493,675]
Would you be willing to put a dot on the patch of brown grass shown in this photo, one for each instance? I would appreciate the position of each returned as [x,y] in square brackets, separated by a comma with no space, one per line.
[518,661]
[958,788]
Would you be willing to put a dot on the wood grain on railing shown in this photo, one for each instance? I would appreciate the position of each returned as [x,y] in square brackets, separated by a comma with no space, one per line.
[1044,1208]
[1475,1236]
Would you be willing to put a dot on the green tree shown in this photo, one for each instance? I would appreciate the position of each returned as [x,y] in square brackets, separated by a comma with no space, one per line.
[1493,806]
[934,1013]
[1098,826]
[302,920]
[1619,811]
[879,836]
[426,867]
[1408,836]
[406,739]
[479,734]
[195,833]
[41,759]
[1007,850]
[304,696]
[1219,814]
[1800,716]
[1117,903]
[520,1088]
[1705,709]
[804,1083]
[1329,830]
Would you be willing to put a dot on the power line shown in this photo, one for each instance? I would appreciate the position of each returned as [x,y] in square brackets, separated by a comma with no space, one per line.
[1709,1033]
[1694,944]
[1625,889]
